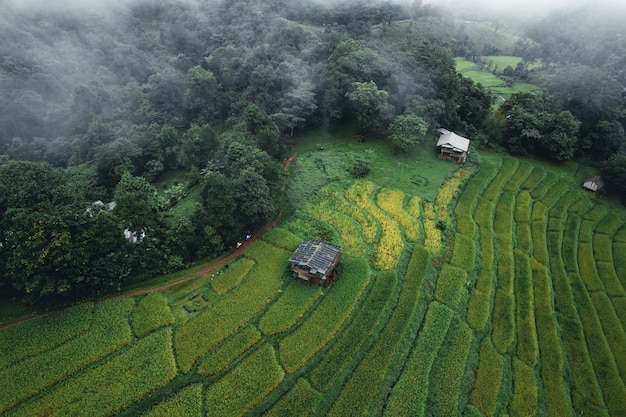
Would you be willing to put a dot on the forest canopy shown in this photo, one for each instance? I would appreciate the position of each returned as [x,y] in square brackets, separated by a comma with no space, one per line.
[97,104]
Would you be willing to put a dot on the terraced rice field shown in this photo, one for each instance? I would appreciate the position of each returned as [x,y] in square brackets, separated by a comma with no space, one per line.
[503,296]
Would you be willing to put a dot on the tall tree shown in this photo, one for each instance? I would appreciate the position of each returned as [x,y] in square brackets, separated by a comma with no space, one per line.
[370,104]
[407,130]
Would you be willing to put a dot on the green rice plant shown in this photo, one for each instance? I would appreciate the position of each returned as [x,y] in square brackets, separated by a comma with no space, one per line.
[596,213]
[360,391]
[560,208]
[503,321]
[555,193]
[608,276]
[503,219]
[447,373]
[414,208]
[620,235]
[555,224]
[246,385]
[569,250]
[612,328]
[294,302]
[581,206]
[185,403]
[225,281]
[352,340]
[323,323]
[483,215]
[508,168]
[409,394]
[602,247]
[519,176]
[485,392]
[152,312]
[392,202]
[522,208]
[587,268]
[552,367]
[542,288]
[527,349]
[543,186]
[464,253]
[477,184]
[344,225]
[524,402]
[554,241]
[220,357]
[619,260]
[463,215]
[505,270]
[109,332]
[221,319]
[432,242]
[282,238]
[146,366]
[301,400]
[478,309]
[43,334]
[523,237]
[540,247]
[585,234]
[609,225]
[486,277]
[587,396]
[534,178]
[539,212]
[619,304]
[451,284]
[602,357]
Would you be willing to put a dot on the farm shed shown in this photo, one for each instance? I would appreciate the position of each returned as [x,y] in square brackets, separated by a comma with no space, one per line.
[452,146]
[315,261]
[593,184]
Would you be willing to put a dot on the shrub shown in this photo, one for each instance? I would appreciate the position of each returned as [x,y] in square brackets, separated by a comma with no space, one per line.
[484,395]
[146,366]
[503,321]
[464,253]
[447,374]
[301,400]
[349,342]
[451,283]
[409,394]
[478,309]
[43,334]
[232,277]
[290,307]
[220,357]
[392,201]
[109,331]
[324,322]
[527,349]
[246,385]
[205,330]
[152,312]
[525,394]
[185,403]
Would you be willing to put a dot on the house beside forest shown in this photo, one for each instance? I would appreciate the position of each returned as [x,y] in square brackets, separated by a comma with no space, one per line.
[452,146]
[315,261]
[593,184]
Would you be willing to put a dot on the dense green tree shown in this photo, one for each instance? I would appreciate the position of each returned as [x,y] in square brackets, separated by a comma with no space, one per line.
[614,173]
[407,130]
[136,204]
[255,205]
[197,145]
[370,104]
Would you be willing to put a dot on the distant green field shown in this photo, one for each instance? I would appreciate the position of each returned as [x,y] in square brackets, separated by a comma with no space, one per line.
[516,308]
[489,80]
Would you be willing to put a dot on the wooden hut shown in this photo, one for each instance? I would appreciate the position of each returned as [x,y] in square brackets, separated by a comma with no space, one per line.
[452,146]
[315,261]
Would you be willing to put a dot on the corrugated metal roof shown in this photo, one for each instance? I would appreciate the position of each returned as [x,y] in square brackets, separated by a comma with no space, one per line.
[315,254]
[452,140]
